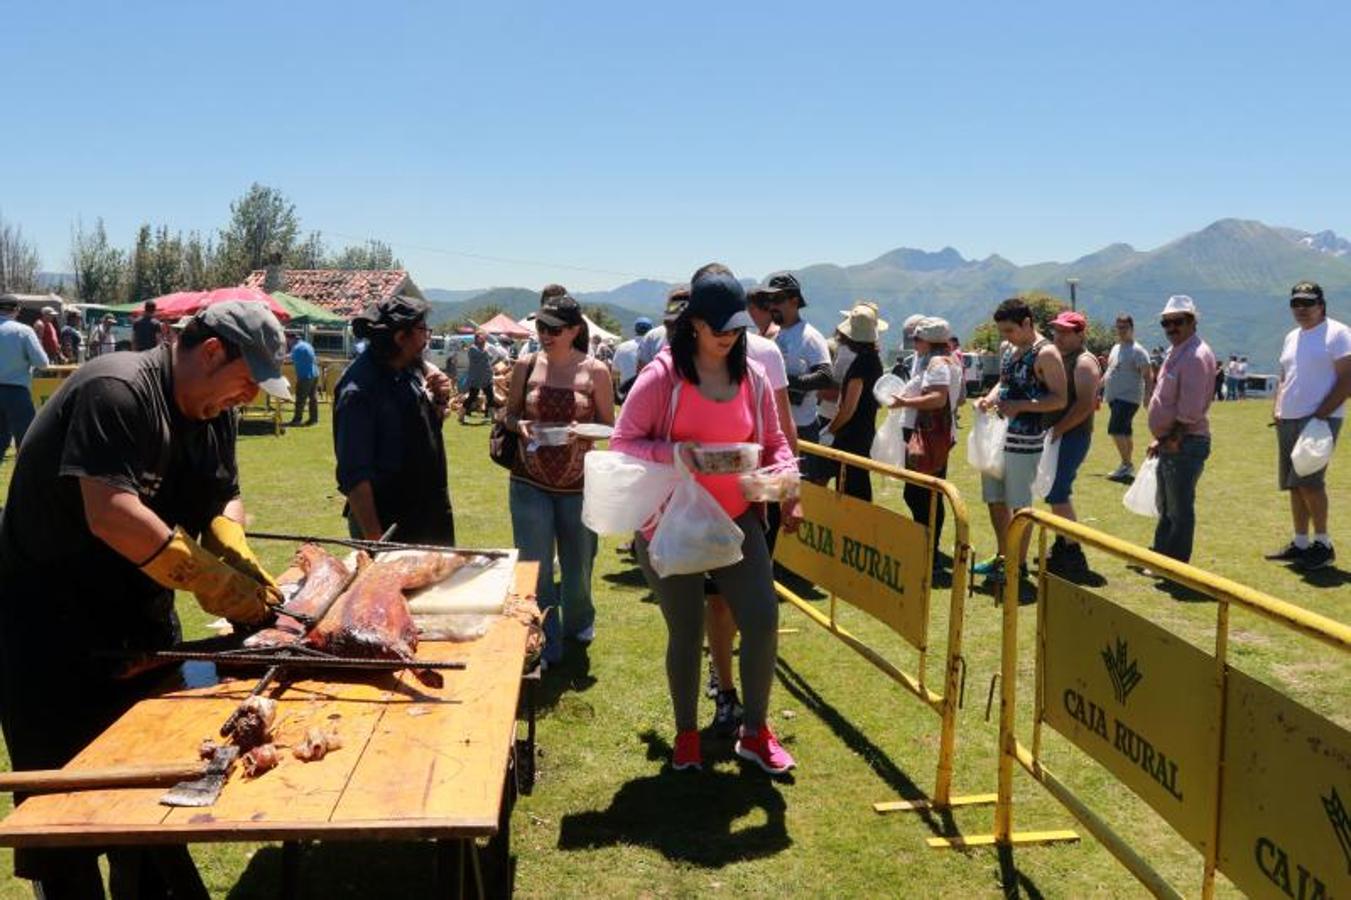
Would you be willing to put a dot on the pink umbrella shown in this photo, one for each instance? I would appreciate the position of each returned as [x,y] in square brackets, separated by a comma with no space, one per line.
[186,303]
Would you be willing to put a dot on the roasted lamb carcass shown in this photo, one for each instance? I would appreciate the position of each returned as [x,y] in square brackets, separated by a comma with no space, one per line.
[371,620]
[325,578]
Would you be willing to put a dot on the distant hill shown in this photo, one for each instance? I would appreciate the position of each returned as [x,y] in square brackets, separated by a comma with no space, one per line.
[520,302]
[1238,271]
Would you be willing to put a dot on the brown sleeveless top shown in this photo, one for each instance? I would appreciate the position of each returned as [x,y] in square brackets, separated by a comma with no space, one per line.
[555,468]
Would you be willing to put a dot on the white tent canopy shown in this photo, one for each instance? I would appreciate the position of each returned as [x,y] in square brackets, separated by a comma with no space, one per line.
[529,322]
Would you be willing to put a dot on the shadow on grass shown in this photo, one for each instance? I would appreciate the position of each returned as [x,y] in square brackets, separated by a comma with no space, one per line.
[1326,578]
[689,817]
[938,821]
[336,870]
[571,676]
[1014,883]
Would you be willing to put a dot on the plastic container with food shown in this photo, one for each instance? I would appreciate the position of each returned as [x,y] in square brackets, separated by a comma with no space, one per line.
[769,486]
[888,388]
[725,459]
[593,431]
[551,435]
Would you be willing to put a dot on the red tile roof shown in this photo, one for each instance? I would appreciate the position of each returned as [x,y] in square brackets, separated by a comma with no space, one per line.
[341,291]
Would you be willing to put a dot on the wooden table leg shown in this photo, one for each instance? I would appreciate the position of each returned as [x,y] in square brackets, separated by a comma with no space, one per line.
[450,867]
[290,869]
[178,872]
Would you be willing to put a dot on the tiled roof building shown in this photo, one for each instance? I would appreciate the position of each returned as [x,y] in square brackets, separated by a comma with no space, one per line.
[341,291]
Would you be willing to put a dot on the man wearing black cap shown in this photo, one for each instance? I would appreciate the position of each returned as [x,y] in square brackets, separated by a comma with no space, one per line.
[127,490]
[806,355]
[1315,383]
[387,415]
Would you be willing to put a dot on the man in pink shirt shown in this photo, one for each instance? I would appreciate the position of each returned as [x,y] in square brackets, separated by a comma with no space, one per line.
[1177,419]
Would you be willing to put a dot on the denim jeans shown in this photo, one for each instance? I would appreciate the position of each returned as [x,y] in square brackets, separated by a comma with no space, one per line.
[540,522]
[16,414]
[1178,474]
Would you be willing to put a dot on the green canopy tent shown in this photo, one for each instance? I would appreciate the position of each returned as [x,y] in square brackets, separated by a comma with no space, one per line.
[303,312]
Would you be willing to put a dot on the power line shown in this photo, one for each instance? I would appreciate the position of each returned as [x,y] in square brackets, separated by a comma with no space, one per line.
[490,258]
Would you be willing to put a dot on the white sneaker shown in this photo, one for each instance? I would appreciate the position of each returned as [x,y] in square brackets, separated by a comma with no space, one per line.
[586,635]
[1123,472]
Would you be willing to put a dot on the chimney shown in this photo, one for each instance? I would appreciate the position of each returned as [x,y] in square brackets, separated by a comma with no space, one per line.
[274,276]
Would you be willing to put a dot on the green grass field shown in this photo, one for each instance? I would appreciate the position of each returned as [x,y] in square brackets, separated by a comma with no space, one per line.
[606,819]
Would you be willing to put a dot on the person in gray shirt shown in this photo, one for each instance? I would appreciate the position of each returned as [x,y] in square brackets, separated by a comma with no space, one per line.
[1128,382]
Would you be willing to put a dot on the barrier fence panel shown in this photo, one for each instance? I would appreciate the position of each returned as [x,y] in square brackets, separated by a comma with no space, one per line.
[881,563]
[1252,779]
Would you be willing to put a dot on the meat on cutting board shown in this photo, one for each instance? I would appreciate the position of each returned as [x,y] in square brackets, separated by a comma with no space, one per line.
[325,578]
[371,620]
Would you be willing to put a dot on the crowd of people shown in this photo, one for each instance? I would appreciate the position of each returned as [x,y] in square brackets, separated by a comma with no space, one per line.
[138,451]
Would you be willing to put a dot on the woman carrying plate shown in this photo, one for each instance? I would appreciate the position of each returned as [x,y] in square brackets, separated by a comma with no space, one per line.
[855,421]
[557,387]
[702,389]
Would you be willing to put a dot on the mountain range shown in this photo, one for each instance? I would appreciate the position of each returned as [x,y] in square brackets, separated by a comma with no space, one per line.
[1238,271]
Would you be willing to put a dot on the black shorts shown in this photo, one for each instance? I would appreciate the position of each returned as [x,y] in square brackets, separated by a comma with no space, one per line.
[1123,413]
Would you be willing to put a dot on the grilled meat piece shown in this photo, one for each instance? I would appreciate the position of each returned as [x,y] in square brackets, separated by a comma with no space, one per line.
[317,743]
[253,726]
[260,759]
[325,578]
[371,620]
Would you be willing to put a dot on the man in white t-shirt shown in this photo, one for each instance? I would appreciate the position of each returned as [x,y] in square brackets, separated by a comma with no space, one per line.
[806,357]
[625,362]
[650,344]
[1315,381]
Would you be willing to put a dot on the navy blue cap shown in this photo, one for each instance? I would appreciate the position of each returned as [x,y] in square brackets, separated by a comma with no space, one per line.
[642,325]
[720,300]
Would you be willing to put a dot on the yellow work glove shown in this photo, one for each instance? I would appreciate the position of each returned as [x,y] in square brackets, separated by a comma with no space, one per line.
[225,538]
[185,565]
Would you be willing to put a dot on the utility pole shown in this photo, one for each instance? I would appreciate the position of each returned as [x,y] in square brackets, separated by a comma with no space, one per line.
[1074,284]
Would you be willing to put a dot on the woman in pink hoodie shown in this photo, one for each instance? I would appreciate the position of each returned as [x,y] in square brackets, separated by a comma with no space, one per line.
[703,389]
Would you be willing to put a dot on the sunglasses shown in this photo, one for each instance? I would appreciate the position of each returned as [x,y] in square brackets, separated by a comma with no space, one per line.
[551,330]
[1303,303]
[1176,322]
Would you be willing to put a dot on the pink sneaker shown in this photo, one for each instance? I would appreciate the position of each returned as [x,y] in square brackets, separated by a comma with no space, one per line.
[764,749]
[688,754]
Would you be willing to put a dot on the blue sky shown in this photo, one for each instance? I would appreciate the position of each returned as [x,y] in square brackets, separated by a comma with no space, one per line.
[626,140]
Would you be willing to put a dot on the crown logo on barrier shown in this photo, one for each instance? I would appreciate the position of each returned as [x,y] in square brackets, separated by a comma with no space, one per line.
[1341,823]
[1124,672]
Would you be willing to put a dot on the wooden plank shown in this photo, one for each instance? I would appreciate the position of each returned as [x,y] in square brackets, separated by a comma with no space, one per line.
[447,758]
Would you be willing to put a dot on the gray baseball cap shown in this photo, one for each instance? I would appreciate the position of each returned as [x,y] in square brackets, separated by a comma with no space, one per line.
[250,325]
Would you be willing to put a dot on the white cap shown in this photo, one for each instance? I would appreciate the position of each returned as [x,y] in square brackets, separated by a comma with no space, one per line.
[908,327]
[1180,303]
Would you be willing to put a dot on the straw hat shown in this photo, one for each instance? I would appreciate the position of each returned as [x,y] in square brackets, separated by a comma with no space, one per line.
[933,330]
[861,323]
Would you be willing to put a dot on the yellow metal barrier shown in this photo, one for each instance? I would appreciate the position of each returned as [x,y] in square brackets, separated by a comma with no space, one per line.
[1256,782]
[881,562]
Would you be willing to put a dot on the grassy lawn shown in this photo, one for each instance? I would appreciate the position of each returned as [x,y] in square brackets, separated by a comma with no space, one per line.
[606,819]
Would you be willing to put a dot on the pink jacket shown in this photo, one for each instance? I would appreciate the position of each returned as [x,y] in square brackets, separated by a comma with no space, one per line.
[644,426]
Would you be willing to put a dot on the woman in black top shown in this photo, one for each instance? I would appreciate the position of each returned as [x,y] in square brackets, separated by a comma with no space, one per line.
[855,422]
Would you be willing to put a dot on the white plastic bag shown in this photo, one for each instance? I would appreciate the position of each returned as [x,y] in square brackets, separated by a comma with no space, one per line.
[1143,496]
[1046,467]
[695,534]
[622,493]
[1313,450]
[985,444]
[889,442]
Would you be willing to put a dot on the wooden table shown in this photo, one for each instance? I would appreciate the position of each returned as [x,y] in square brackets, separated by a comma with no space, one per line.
[416,763]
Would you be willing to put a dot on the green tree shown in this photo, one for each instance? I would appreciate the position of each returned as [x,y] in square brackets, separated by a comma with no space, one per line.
[309,253]
[371,255]
[166,263]
[1045,307]
[602,317]
[19,260]
[262,223]
[140,282]
[98,266]
[198,263]
[476,317]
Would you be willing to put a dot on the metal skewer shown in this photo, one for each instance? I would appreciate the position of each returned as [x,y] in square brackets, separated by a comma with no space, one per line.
[375,546]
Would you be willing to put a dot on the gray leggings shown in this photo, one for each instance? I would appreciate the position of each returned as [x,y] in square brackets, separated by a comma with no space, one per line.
[748,588]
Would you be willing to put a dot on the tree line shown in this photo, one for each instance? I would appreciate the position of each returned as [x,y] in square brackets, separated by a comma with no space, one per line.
[263,227]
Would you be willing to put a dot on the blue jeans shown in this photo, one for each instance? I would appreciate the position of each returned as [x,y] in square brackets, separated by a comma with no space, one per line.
[16,414]
[540,522]
[1178,474]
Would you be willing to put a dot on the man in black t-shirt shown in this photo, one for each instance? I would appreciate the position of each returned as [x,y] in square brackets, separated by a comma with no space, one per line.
[145,331]
[127,489]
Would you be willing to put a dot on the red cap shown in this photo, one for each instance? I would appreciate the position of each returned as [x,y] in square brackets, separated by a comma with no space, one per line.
[1073,321]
